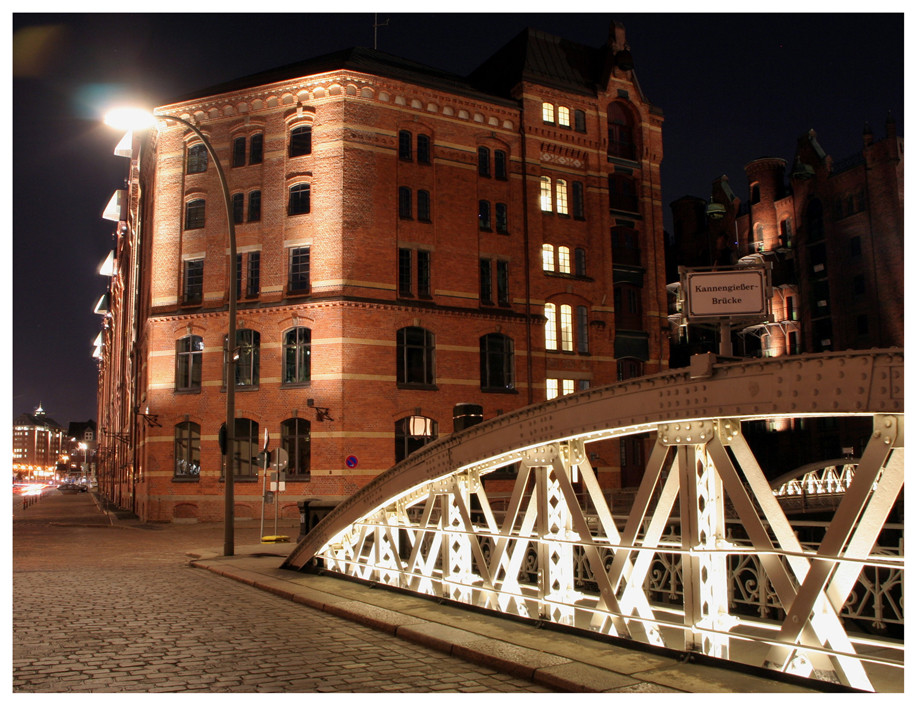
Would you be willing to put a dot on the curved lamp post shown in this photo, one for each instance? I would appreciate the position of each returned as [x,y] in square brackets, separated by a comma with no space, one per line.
[137,119]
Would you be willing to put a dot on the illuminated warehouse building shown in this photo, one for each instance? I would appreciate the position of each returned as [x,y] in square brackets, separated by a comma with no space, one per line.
[416,251]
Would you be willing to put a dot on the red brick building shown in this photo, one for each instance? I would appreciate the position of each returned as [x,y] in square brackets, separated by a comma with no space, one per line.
[416,251]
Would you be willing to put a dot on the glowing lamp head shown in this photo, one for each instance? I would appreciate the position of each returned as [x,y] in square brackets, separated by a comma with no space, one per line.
[129,118]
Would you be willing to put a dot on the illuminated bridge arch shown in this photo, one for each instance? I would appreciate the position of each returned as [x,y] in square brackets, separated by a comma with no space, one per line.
[429,524]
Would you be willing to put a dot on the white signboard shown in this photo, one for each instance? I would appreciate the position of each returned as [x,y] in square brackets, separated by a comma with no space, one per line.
[722,294]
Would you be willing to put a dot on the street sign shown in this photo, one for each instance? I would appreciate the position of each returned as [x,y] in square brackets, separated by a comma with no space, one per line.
[351,461]
[267,440]
[280,459]
[725,293]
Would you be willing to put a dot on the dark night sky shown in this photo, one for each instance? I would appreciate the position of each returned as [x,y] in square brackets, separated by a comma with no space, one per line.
[733,87]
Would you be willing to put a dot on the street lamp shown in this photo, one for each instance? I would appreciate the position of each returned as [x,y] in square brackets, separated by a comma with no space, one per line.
[138,119]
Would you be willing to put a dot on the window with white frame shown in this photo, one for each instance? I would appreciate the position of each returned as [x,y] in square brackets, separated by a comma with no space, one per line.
[550,327]
[547,257]
[547,112]
[563,259]
[563,116]
[562,197]
[546,204]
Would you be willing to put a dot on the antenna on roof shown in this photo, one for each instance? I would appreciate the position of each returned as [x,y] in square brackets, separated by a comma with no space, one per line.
[376,27]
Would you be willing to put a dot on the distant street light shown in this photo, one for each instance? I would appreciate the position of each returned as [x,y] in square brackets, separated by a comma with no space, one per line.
[139,119]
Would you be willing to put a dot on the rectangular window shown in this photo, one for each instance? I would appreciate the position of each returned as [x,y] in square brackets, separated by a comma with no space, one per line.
[423,206]
[193,291]
[567,388]
[423,274]
[238,208]
[550,388]
[238,152]
[502,283]
[256,149]
[484,215]
[254,206]
[546,204]
[579,121]
[195,214]
[405,257]
[486,284]
[423,149]
[300,200]
[239,270]
[299,270]
[579,262]
[483,162]
[405,208]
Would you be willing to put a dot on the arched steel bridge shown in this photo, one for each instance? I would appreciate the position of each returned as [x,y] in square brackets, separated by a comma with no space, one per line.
[428,524]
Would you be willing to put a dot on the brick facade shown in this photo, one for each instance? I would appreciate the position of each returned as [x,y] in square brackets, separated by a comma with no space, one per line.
[396,242]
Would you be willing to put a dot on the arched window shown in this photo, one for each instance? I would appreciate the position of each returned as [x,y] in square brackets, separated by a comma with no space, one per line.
[187,450]
[547,257]
[405,202]
[622,193]
[413,433]
[561,201]
[300,140]
[416,356]
[300,199]
[195,212]
[423,149]
[550,327]
[297,356]
[483,161]
[484,215]
[563,259]
[296,440]
[197,159]
[189,353]
[405,145]
[245,449]
[620,133]
[423,205]
[545,197]
[248,349]
[497,363]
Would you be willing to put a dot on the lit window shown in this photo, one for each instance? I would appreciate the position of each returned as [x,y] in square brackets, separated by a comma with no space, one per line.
[566,327]
[547,112]
[563,259]
[187,450]
[568,388]
[550,388]
[550,327]
[562,196]
[547,257]
[563,116]
[546,194]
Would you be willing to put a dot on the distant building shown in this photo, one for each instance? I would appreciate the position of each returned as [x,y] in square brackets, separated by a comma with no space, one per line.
[416,251]
[833,234]
[81,446]
[38,443]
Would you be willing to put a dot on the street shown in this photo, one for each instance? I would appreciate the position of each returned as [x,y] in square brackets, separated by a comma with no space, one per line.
[101,607]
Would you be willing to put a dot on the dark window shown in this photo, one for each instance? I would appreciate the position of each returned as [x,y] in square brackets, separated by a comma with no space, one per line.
[256,151]
[579,200]
[404,145]
[579,262]
[195,214]
[189,353]
[629,368]
[253,283]
[300,197]
[238,152]
[859,285]
[296,440]
[502,218]
[297,355]
[856,247]
[579,121]
[301,140]
[415,356]
[405,207]
[483,162]
[484,268]
[254,206]
[239,268]
[245,448]
[423,206]
[187,450]
[238,208]
[862,324]
[497,362]
[197,159]
[413,433]
[815,220]
[628,307]
[299,270]
[248,349]
[582,329]
[423,149]
[625,246]
[405,271]
[622,192]
[193,291]
[755,193]
[484,215]
[620,133]
[502,283]
[423,274]
[500,164]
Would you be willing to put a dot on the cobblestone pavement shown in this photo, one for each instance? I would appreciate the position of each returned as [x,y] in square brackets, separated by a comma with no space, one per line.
[100,608]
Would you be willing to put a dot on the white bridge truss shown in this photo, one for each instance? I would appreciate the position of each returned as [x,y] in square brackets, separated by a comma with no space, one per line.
[546,552]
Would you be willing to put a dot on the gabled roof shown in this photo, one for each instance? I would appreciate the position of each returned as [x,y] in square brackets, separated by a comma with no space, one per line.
[36,420]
